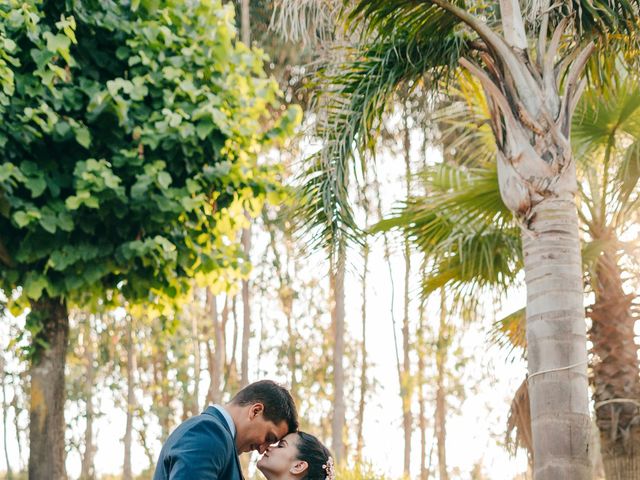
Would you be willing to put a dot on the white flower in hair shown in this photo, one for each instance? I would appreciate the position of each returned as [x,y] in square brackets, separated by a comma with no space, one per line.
[329,468]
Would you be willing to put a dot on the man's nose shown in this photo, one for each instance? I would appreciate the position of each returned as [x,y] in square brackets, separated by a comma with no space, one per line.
[263,448]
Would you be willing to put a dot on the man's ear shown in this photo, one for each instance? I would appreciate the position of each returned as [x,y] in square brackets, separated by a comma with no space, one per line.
[255,410]
[299,467]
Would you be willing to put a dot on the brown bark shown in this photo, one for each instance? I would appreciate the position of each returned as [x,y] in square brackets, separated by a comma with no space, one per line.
[615,379]
[46,411]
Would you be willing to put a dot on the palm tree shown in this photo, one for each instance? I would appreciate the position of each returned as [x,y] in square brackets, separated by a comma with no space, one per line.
[473,243]
[532,77]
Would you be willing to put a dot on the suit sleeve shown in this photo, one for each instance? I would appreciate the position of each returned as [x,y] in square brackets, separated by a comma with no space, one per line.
[202,453]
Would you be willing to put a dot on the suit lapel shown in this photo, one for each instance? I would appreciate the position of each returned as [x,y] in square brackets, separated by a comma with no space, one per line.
[216,413]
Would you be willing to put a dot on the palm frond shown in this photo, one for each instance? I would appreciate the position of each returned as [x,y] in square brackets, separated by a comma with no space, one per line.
[518,433]
[356,94]
[603,116]
[509,333]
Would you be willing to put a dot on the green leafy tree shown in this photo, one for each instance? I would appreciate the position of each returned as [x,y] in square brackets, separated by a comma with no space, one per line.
[128,142]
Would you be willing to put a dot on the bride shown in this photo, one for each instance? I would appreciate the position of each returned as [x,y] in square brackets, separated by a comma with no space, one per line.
[298,456]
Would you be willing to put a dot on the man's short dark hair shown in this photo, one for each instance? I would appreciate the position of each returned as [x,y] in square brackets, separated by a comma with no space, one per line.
[278,402]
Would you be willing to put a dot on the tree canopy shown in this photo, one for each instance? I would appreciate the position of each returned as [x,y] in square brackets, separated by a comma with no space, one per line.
[128,146]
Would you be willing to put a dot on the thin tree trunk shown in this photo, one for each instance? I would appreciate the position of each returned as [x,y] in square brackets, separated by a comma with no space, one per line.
[246,306]
[196,363]
[616,377]
[422,419]
[405,381]
[339,409]
[245,28]
[87,471]
[214,395]
[363,350]
[5,411]
[16,425]
[442,351]
[556,343]
[131,403]
[46,419]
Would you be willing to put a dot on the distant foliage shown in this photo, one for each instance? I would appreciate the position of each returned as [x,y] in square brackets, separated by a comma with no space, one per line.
[128,144]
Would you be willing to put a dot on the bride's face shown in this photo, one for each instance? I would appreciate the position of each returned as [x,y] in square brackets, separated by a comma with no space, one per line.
[281,458]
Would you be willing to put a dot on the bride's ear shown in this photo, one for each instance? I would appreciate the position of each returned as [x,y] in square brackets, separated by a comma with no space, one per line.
[299,467]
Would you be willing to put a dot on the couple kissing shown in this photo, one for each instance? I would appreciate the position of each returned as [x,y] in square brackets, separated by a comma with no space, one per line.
[262,417]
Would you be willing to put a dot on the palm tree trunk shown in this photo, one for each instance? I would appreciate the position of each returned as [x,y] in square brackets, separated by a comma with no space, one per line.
[339,409]
[442,351]
[5,411]
[131,367]
[557,353]
[87,471]
[615,372]
[46,411]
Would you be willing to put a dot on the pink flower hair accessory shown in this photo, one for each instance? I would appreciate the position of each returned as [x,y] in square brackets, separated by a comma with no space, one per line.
[330,469]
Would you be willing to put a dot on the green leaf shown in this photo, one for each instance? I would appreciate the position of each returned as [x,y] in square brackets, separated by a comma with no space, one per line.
[49,222]
[34,284]
[37,185]
[164,179]
[57,43]
[22,219]
[83,137]
[204,128]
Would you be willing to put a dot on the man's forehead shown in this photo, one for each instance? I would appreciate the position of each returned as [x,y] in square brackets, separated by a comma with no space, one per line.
[281,429]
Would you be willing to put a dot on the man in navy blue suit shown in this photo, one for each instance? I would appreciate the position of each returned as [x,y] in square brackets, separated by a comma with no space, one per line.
[206,447]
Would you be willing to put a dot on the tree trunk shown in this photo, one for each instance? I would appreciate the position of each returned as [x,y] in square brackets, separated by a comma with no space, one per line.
[406,392]
[46,412]
[214,395]
[246,308]
[531,113]
[5,412]
[422,419]
[616,377]
[442,351]
[363,354]
[245,27]
[196,364]
[131,403]
[87,471]
[339,409]
[557,353]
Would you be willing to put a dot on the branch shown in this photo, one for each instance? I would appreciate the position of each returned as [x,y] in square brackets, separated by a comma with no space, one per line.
[492,90]
[526,85]
[512,24]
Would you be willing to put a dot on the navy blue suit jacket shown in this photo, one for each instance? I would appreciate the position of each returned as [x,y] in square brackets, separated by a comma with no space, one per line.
[201,448]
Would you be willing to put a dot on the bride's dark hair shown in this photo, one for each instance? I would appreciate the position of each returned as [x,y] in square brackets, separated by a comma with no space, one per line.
[312,451]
